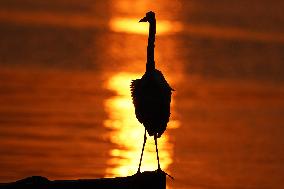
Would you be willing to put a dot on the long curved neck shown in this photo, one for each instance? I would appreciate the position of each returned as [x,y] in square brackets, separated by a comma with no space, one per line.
[150,65]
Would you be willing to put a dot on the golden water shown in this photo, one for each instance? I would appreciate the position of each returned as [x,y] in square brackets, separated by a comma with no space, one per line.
[65,106]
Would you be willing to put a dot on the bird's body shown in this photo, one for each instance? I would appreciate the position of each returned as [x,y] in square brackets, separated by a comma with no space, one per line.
[151,94]
[152,97]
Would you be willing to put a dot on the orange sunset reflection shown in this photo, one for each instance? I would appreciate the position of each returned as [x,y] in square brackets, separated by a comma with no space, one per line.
[127,133]
[131,25]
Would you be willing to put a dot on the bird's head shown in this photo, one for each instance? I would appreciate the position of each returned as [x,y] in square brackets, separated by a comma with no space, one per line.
[150,17]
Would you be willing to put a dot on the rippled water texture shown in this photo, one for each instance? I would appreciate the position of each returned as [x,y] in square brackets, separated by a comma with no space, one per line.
[65,106]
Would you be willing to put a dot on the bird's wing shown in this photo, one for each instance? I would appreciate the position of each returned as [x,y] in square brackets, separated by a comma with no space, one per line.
[162,81]
[164,93]
[135,89]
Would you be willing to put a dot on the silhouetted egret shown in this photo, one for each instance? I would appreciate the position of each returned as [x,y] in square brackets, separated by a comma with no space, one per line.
[151,94]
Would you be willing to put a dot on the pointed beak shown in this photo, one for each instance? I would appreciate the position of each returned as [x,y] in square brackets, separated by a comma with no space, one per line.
[143,20]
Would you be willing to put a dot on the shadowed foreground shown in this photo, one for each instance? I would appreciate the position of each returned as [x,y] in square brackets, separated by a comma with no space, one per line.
[147,179]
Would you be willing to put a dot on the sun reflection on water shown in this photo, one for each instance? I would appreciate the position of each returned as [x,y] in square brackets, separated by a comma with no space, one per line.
[129,25]
[127,133]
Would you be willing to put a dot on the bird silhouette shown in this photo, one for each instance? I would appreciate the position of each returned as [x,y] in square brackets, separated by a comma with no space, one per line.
[151,95]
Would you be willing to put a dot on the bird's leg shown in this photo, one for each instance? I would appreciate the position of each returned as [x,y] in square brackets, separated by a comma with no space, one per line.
[145,138]
[155,137]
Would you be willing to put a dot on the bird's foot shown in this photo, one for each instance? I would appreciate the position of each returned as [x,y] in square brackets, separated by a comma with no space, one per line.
[159,170]
[138,172]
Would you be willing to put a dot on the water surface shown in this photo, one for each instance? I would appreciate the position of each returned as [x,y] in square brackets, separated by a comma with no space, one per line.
[65,106]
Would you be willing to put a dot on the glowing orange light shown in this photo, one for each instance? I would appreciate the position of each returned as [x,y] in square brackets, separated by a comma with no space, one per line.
[131,25]
[128,133]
